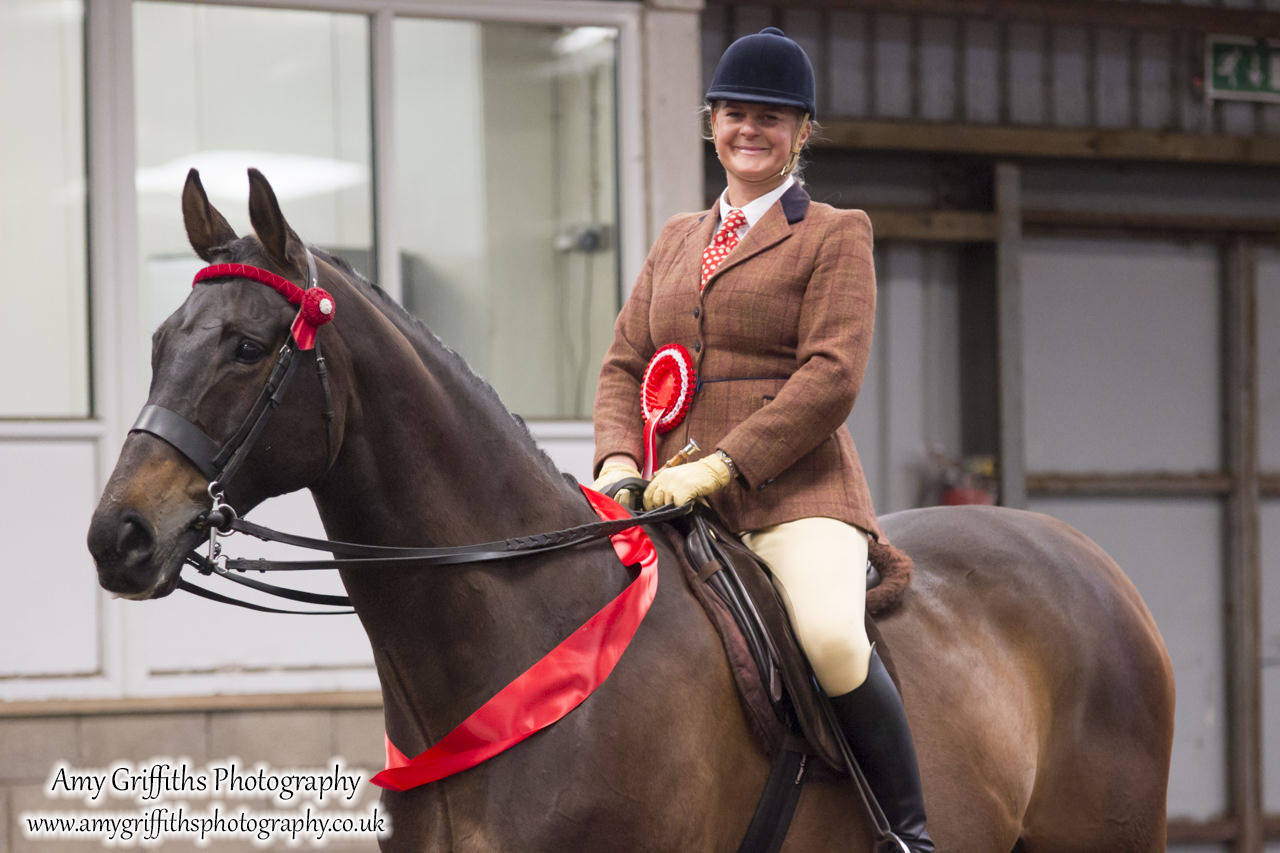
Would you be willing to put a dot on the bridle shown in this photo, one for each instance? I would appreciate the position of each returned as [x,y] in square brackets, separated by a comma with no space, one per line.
[219,463]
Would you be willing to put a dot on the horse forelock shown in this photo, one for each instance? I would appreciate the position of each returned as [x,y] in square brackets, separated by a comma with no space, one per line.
[241,250]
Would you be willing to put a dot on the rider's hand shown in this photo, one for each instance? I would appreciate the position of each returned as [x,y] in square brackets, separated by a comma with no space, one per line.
[615,469]
[680,484]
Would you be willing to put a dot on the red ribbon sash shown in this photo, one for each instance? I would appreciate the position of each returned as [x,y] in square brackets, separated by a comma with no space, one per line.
[553,686]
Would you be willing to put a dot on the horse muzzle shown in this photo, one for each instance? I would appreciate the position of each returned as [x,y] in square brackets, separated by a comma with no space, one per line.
[130,561]
[145,524]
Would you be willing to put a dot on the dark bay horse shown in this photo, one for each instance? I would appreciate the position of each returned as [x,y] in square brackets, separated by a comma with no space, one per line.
[1037,684]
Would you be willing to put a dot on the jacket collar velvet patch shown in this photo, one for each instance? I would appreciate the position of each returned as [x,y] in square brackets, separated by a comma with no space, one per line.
[795,204]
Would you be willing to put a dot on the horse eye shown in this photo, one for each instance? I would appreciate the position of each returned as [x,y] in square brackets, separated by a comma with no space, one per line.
[250,352]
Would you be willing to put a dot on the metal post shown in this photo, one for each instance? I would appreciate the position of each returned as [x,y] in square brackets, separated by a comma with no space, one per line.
[1242,572]
[382,74]
[1012,452]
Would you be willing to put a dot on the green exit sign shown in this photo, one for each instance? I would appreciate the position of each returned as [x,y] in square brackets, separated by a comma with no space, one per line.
[1243,69]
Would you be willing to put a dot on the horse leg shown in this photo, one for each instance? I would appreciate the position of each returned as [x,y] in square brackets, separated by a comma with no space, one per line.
[1104,787]
[1101,793]
[1103,778]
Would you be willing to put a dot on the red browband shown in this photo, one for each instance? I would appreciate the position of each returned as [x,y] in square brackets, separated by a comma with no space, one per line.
[316,306]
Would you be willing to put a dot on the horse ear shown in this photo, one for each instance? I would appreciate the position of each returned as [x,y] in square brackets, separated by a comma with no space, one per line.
[280,241]
[206,227]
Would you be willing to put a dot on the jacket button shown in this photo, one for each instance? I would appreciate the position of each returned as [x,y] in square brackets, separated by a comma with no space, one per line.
[697,346]
[697,312]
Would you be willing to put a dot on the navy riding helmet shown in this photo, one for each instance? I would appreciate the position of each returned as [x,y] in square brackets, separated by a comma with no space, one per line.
[765,68]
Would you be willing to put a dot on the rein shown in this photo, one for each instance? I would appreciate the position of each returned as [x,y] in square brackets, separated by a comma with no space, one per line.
[355,556]
[555,685]
[220,463]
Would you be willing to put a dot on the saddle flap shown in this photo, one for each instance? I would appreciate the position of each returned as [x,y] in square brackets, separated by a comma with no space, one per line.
[774,679]
[778,688]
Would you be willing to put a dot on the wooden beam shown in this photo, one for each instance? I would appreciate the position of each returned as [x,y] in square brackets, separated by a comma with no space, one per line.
[1114,224]
[345,700]
[1136,484]
[976,226]
[1099,13]
[1048,142]
[1183,831]
[946,226]
[1269,485]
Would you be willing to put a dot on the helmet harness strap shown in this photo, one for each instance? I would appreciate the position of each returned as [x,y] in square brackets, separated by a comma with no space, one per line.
[796,146]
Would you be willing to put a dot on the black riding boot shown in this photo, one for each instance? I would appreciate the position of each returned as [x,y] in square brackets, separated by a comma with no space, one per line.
[875,726]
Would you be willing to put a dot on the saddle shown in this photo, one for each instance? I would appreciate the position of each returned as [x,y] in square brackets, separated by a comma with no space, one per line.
[778,690]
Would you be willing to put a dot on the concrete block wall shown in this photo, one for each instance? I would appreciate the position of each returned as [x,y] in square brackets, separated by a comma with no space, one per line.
[33,745]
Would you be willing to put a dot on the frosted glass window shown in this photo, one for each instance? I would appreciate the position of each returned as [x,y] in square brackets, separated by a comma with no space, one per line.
[44,322]
[222,89]
[1122,363]
[50,611]
[287,92]
[507,201]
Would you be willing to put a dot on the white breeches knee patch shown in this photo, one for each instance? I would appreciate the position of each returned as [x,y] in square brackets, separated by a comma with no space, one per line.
[820,570]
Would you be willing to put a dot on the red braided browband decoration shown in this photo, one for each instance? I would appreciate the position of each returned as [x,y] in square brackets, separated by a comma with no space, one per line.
[316,306]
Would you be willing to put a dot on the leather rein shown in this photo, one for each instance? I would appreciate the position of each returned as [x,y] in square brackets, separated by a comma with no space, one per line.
[219,463]
[364,557]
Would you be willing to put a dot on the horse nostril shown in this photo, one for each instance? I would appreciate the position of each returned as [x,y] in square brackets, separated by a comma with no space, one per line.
[134,540]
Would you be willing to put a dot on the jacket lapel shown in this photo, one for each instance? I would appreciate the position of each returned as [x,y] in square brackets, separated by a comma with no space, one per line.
[774,227]
[697,239]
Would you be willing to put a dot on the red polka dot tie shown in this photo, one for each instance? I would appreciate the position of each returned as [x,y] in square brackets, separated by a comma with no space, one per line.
[722,244]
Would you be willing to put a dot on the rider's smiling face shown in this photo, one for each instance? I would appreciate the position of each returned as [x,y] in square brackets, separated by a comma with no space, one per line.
[753,142]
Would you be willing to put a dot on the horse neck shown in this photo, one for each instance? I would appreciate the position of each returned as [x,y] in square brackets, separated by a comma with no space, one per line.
[431,453]
[429,457]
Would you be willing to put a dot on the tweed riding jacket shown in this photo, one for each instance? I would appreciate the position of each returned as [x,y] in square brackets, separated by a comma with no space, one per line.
[780,338]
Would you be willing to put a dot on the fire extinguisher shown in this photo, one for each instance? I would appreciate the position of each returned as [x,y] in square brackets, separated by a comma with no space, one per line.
[973,482]
[960,495]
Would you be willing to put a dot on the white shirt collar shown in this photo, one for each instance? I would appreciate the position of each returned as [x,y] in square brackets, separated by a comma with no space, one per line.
[753,210]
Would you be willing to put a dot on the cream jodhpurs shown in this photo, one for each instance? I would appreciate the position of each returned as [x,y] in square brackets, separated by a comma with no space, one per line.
[820,570]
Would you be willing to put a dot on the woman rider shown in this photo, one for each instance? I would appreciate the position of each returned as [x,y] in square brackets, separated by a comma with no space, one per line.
[773,297]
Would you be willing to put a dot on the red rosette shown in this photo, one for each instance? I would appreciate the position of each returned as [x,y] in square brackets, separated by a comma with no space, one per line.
[316,309]
[666,392]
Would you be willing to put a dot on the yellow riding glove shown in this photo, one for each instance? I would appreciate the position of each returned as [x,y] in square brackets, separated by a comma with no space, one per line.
[613,472]
[680,484]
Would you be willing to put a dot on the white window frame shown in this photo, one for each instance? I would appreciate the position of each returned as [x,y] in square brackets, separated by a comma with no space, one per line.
[116,343]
